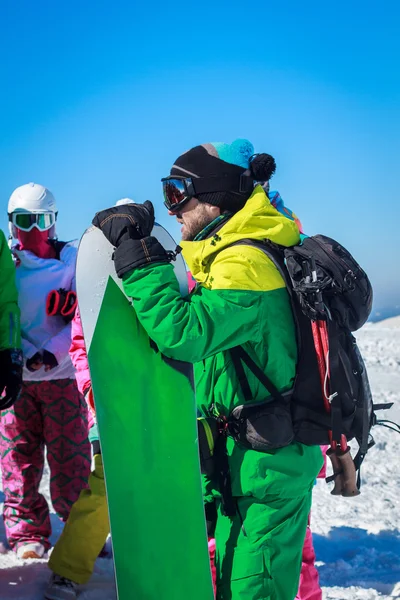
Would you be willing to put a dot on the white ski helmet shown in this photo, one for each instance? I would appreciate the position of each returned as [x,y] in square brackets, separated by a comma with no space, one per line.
[32,205]
[124,201]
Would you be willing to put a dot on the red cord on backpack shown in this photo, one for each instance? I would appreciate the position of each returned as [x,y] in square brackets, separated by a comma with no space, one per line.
[321,343]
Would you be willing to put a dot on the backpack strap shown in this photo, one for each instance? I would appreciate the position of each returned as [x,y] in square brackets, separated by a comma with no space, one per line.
[336,408]
[393,426]
[382,406]
[240,374]
[224,477]
[239,356]
[366,441]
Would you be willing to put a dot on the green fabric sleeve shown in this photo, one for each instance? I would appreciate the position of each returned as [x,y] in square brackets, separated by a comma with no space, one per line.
[10,330]
[94,433]
[198,326]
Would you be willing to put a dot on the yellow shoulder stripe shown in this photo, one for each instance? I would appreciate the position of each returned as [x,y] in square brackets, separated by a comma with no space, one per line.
[244,268]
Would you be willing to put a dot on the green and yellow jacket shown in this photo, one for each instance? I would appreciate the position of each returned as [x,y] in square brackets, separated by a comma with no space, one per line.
[10,332]
[241,300]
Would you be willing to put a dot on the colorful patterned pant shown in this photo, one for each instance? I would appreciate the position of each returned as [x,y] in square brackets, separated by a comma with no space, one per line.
[51,414]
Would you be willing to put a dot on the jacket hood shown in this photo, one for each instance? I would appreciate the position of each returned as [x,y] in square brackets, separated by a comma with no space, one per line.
[258,220]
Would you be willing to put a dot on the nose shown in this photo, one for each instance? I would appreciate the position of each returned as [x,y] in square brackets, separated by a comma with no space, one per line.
[175,214]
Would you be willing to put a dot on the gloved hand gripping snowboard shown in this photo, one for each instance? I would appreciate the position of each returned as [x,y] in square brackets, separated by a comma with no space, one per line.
[128,229]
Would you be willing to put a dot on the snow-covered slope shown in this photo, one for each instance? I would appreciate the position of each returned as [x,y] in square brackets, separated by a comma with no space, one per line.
[357,540]
[392,322]
[27,580]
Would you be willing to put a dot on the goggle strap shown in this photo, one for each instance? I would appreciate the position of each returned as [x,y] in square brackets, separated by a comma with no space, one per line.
[206,185]
[229,183]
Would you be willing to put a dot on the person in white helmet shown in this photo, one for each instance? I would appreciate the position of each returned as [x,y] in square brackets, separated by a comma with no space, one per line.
[50,411]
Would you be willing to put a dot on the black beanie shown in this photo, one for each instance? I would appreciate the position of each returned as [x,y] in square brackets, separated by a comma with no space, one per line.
[219,160]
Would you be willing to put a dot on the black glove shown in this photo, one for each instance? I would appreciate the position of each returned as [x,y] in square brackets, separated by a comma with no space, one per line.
[11,363]
[35,362]
[126,222]
[49,360]
[128,228]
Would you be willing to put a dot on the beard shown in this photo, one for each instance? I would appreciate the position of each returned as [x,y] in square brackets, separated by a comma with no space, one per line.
[194,221]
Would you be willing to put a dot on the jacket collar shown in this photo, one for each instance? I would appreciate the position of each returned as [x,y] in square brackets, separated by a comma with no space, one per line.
[257,220]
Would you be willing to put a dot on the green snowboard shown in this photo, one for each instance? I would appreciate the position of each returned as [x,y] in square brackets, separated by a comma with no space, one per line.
[146,415]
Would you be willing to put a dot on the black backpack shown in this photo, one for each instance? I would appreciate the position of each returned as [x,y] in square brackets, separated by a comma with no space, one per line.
[331,401]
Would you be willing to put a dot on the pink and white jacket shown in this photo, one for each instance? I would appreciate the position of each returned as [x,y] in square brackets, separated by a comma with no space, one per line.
[35,278]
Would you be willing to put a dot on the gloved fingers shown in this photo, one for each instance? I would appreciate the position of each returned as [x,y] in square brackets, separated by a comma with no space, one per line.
[121,223]
[62,303]
[148,205]
[49,360]
[55,301]
[35,362]
[69,306]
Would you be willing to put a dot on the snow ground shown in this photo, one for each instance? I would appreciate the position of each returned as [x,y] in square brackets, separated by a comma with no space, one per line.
[357,540]
[27,580]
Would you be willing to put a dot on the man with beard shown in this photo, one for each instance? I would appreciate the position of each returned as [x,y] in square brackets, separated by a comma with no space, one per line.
[241,302]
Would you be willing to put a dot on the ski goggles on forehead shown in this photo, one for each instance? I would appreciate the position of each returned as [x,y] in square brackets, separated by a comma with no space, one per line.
[27,221]
[179,190]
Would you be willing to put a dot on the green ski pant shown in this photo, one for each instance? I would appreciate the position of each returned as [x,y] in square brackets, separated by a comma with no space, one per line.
[259,550]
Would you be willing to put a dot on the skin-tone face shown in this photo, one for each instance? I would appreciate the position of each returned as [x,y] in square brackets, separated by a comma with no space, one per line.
[194,216]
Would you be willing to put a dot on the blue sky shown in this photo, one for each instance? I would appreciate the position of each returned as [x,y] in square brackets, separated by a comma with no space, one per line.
[99,98]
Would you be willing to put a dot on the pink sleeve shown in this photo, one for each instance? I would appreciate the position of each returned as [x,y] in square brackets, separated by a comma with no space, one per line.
[78,354]
[322,473]
[191,282]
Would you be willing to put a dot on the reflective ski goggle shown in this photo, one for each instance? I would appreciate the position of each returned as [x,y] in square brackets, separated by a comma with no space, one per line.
[179,190]
[27,221]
